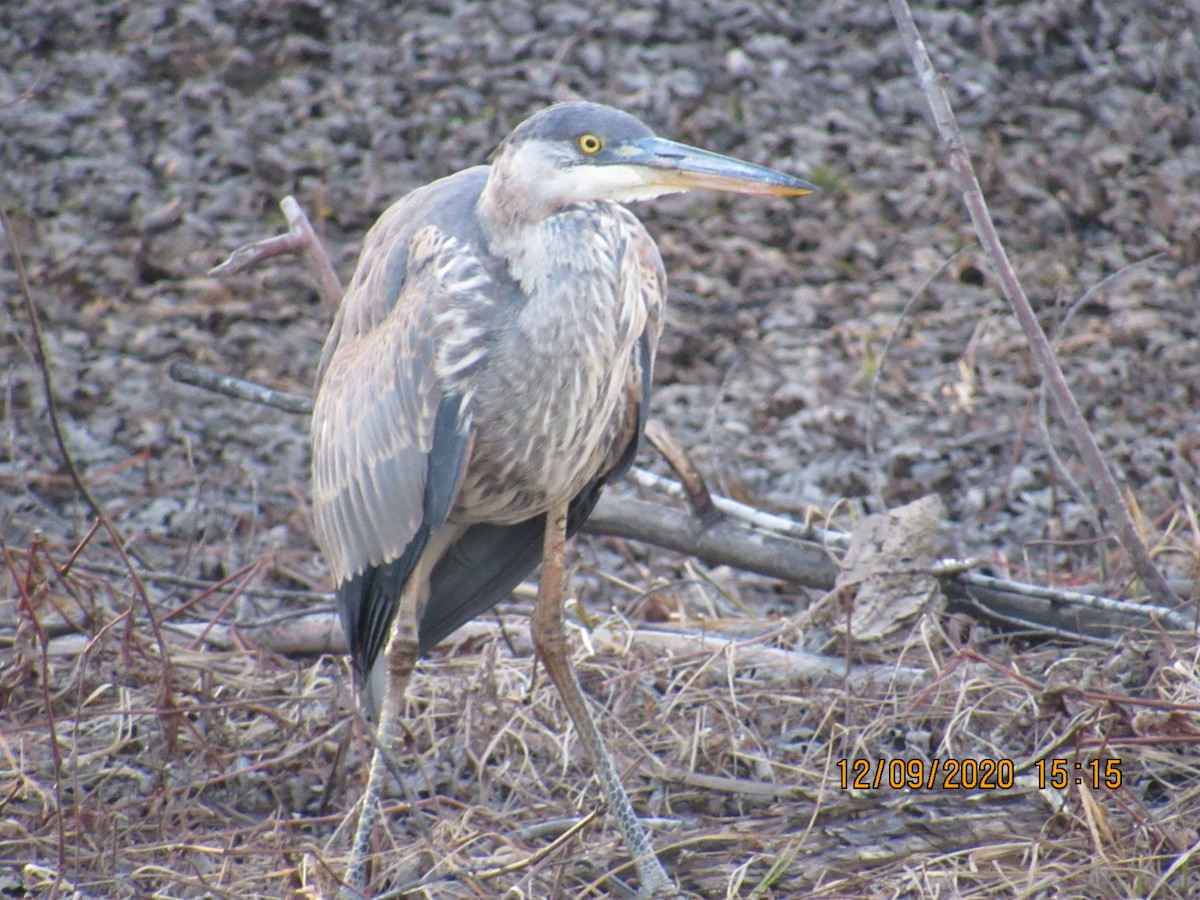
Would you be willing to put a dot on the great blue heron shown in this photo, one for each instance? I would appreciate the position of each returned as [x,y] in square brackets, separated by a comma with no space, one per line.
[487,373]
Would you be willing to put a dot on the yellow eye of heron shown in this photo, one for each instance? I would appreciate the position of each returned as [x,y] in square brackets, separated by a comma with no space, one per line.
[590,143]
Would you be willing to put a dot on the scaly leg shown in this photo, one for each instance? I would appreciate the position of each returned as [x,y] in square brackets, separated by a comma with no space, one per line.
[550,640]
[400,655]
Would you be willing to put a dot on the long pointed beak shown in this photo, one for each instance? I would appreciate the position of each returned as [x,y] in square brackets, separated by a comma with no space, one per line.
[680,167]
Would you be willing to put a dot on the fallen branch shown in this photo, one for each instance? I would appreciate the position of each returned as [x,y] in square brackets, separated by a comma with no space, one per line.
[1008,604]
[320,633]
[240,389]
[799,553]
[302,634]
[727,542]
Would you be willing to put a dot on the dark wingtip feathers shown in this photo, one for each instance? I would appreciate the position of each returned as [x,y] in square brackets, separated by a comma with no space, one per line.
[368,602]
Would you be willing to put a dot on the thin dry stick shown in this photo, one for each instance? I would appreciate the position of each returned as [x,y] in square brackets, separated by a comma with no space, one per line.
[532,859]
[699,499]
[1105,485]
[240,389]
[126,552]
[1043,420]
[24,587]
[39,352]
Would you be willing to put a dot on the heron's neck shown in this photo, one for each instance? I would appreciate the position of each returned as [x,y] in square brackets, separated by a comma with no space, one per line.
[525,236]
[532,252]
[508,208]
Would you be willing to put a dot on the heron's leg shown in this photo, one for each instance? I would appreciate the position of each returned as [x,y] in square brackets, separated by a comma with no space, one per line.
[550,640]
[399,657]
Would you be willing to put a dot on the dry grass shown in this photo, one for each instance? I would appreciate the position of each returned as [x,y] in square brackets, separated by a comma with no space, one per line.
[137,767]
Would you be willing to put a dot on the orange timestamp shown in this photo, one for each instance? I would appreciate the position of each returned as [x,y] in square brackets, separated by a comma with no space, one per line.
[918,774]
[984,774]
[1095,773]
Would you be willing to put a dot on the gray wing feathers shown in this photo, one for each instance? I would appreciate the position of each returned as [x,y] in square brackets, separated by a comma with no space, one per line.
[379,280]
[373,426]
[389,442]
[378,394]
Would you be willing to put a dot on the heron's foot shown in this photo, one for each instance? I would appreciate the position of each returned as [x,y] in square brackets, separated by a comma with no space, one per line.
[354,887]
[654,881]
[352,893]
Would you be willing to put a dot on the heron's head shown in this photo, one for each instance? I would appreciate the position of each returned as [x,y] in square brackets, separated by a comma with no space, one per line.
[577,152]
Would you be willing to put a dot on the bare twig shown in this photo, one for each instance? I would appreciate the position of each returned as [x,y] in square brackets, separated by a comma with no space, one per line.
[301,239]
[1105,485]
[1043,420]
[39,346]
[698,496]
[25,584]
[240,388]
[28,93]
[804,531]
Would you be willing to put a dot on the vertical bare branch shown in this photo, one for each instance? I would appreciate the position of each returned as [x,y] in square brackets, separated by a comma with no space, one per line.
[1103,482]
[127,553]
